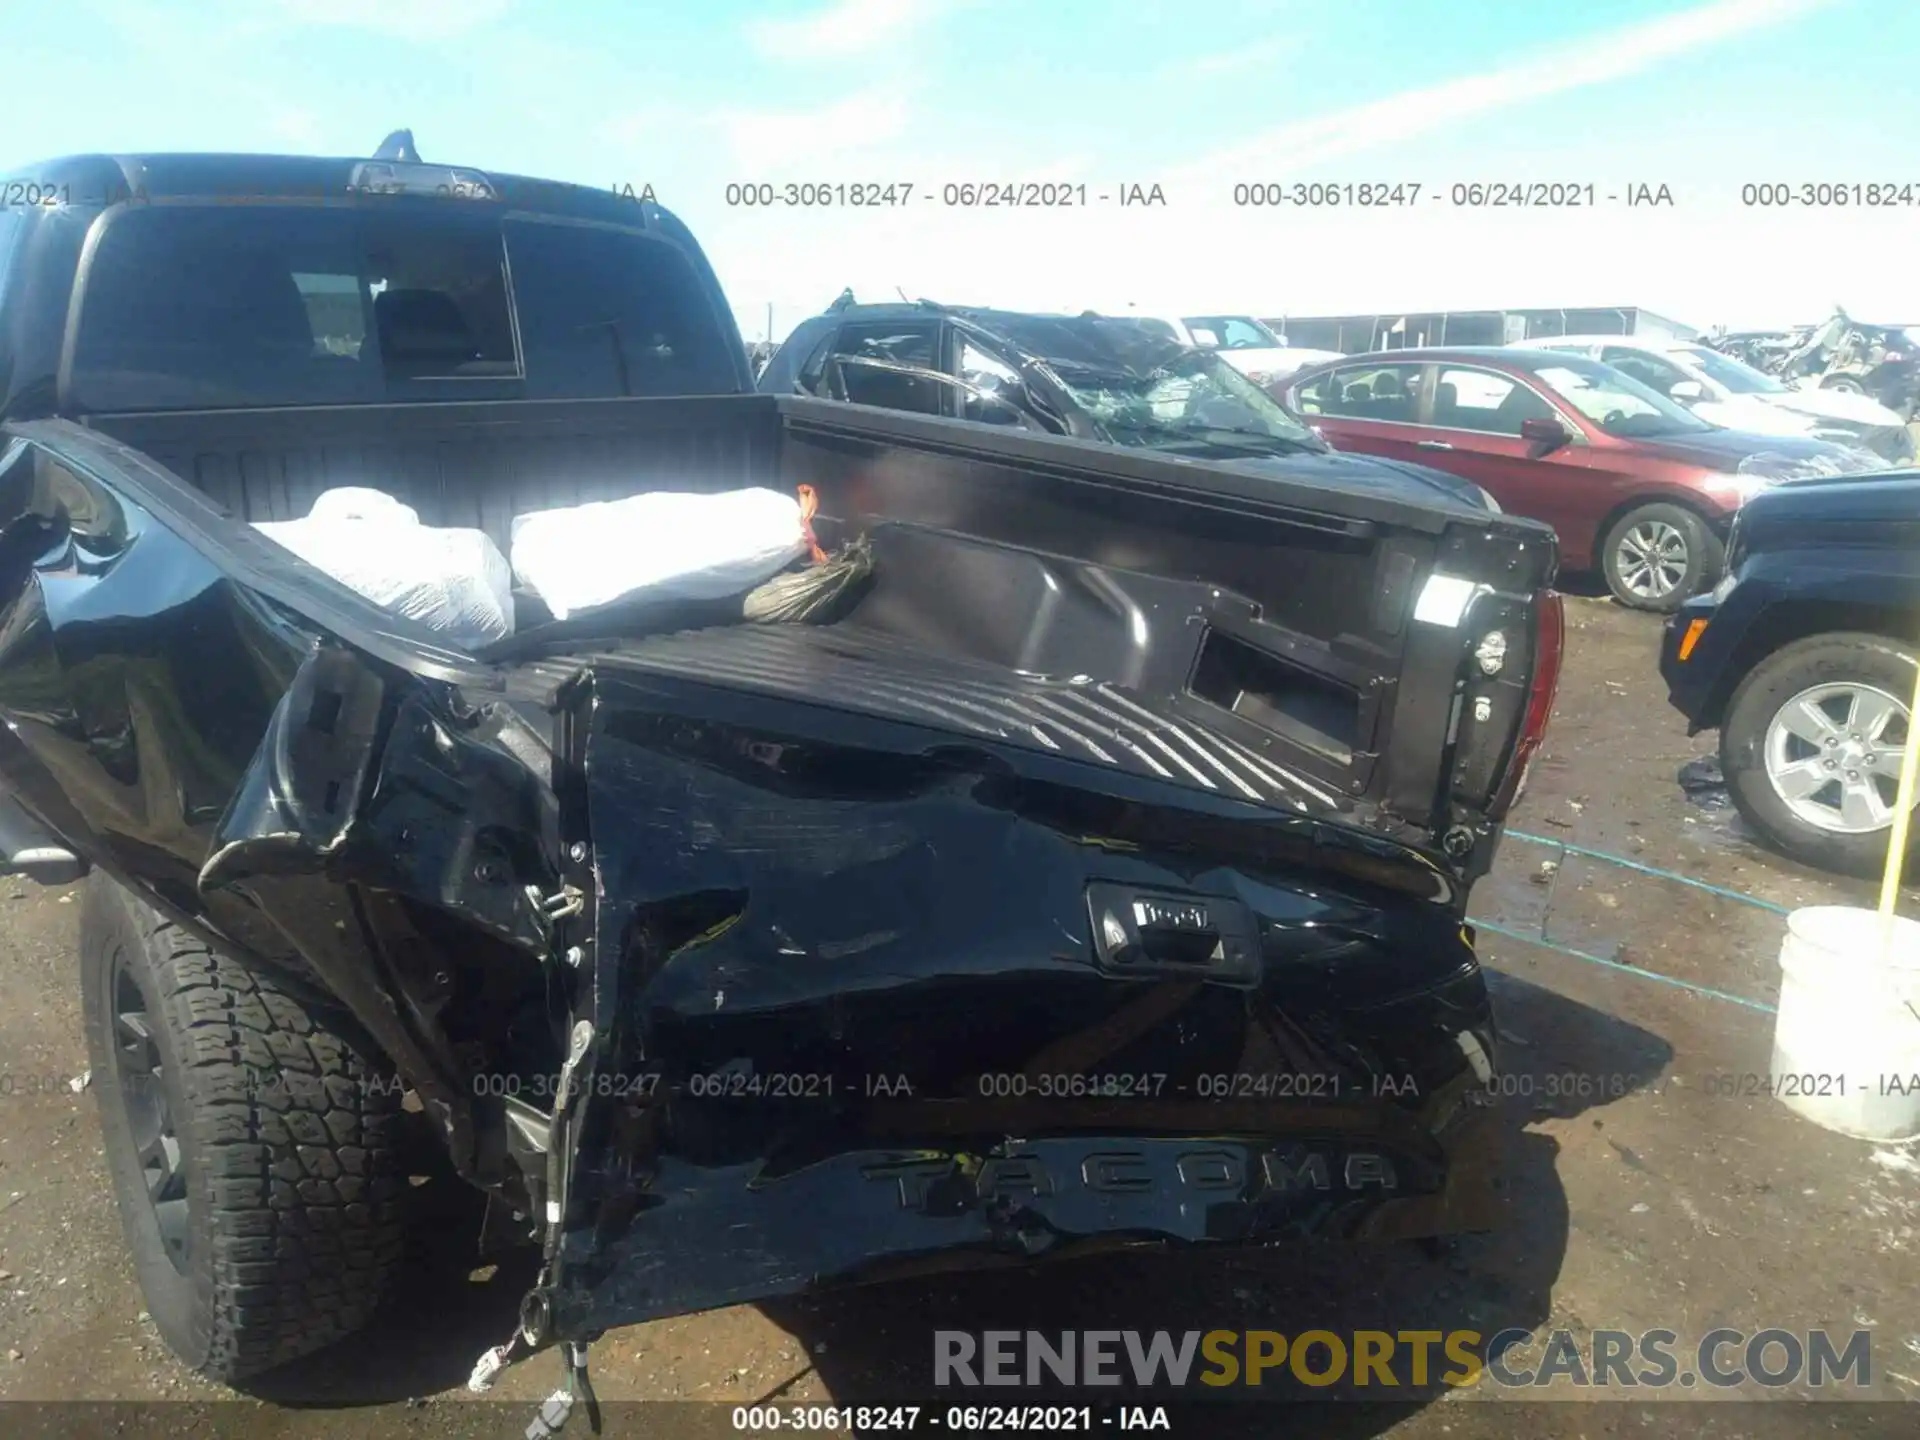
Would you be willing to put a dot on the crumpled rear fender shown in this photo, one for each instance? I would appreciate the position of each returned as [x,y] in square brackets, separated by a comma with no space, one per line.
[260,752]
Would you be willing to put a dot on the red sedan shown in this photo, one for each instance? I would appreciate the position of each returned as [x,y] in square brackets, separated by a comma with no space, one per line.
[1637,487]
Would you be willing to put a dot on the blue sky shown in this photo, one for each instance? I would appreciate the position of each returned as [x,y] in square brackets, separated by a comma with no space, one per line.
[1195,95]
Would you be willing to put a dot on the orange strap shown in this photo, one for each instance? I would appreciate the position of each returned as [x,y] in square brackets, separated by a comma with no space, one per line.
[809,507]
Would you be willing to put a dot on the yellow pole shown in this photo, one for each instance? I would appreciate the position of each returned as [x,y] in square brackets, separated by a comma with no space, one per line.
[1902,816]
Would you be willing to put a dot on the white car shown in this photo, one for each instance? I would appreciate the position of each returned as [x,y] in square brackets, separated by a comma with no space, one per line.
[1724,391]
[1243,342]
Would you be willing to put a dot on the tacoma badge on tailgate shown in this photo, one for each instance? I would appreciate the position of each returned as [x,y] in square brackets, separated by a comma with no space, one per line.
[950,1184]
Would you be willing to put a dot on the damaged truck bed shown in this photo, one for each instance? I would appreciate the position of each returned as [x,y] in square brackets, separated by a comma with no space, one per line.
[1098,878]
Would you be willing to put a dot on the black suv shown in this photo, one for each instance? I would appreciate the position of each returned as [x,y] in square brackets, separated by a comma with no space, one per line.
[1095,377]
[1804,657]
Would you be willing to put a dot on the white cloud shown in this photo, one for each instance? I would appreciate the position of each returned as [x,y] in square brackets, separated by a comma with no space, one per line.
[1238,61]
[403,19]
[765,142]
[649,124]
[294,126]
[842,29]
[1591,60]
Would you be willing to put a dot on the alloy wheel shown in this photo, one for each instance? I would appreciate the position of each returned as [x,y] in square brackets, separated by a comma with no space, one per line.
[1652,559]
[1833,756]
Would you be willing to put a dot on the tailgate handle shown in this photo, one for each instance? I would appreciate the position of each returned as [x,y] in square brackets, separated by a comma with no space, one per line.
[1431,445]
[1155,932]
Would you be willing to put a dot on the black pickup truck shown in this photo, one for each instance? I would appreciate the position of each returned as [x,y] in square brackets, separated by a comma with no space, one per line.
[1099,876]
[1803,657]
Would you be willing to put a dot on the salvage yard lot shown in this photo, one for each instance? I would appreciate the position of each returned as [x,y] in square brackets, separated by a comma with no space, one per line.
[1635,1198]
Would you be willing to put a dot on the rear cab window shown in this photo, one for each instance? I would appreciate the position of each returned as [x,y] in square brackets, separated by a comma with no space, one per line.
[219,306]
[609,312]
[222,306]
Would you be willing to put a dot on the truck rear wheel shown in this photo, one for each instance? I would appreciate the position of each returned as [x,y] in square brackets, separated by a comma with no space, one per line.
[254,1153]
[1811,744]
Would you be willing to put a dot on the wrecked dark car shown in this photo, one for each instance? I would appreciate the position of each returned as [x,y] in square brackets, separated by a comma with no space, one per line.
[1115,378]
[1840,353]
[1095,874]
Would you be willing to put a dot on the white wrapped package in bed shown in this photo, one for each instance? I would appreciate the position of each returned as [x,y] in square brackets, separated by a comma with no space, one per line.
[671,545]
[454,581]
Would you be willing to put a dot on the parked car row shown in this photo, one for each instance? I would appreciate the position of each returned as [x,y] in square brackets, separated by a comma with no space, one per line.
[1639,456]
[1729,392]
[1112,379]
[1638,487]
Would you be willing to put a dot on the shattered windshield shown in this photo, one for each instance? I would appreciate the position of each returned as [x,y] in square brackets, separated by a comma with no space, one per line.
[1192,394]
[1143,389]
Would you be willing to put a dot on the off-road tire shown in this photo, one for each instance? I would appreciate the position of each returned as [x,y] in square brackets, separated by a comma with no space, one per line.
[1705,558]
[289,1138]
[1837,658]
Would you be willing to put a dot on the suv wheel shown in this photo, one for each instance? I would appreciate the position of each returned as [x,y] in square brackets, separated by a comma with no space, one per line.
[1811,748]
[1655,556]
[254,1153]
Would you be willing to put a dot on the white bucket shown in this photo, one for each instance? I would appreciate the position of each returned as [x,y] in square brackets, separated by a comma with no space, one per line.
[1846,1042]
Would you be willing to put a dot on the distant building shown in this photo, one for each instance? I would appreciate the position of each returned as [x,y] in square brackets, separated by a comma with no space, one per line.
[1356,334]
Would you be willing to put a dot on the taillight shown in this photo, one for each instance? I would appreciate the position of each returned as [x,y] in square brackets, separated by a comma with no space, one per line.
[1549,643]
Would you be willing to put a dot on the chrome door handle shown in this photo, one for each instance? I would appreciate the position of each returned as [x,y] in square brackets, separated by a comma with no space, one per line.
[1431,445]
